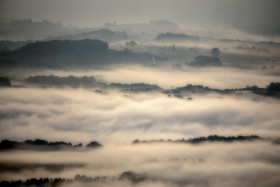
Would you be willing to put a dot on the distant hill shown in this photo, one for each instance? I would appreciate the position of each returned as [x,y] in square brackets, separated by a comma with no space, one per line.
[102,34]
[144,30]
[26,29]
[6,45]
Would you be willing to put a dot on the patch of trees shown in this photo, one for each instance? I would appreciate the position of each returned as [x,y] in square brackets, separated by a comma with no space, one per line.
[215,52]
[87,82]
[36,182]
[269,43]
[203,61]
[130,44]
[39,144]
[173,36]
[94,144]
[52,167]
[74,82]
[273,89]
[194,89]
[216,138]
[133,177]
[252,48]
[135,87]
[178,96]
[211,138]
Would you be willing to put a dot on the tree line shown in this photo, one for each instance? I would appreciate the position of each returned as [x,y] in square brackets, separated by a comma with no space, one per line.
[43,144]
[211,138]
[127,175]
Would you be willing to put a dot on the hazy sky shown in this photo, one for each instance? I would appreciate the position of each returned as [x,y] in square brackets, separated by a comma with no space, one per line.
[257,16]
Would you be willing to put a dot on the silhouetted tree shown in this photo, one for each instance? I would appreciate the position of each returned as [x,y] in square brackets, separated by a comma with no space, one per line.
[215,52]
[93,144]
[273,89]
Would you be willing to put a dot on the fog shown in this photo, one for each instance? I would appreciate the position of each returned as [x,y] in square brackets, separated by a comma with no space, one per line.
[116,117]
[168,77]
[250,164]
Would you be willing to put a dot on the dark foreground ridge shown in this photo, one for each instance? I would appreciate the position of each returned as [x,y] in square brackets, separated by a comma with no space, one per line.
[40,144]
[79,179]
[211,138]
[5,82]
[65,54]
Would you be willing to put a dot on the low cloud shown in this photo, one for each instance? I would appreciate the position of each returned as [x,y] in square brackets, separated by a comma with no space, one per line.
[221,78]
[115,117]
[163,164]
